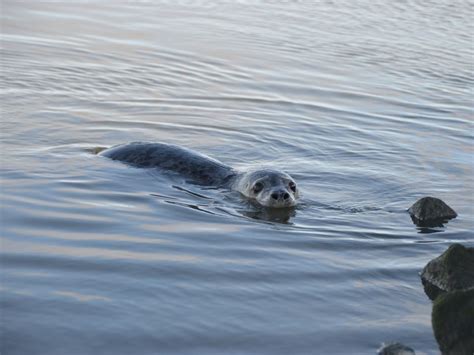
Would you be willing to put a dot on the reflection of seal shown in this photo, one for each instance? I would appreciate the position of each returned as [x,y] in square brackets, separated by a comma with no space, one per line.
[271,188]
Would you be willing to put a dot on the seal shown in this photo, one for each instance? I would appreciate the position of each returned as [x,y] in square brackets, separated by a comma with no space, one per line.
[268,187]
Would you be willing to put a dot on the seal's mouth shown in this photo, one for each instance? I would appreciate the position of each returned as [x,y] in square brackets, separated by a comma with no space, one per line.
[279,203]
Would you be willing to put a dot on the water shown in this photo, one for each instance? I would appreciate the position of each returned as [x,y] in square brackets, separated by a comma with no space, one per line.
[367,104]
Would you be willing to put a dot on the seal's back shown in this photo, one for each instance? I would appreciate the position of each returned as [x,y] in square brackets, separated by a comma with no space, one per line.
[199,168]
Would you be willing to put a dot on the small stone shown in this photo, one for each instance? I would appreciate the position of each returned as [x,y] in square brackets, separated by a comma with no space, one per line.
[453,270]
[431,210]
[453,322]
[395,349]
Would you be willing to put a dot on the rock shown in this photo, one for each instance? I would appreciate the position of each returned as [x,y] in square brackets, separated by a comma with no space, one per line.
[453,322]
[453,270]
[449,281]
[430,212]
[395,349]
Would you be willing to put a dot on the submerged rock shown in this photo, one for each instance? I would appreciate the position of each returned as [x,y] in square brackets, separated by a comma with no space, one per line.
[453,322]
[431,211]
[453,270]
[395,349]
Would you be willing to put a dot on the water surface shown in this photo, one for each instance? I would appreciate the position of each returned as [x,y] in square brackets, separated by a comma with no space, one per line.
[367,104]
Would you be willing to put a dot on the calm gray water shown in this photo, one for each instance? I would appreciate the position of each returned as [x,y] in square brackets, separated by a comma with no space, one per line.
[367,104]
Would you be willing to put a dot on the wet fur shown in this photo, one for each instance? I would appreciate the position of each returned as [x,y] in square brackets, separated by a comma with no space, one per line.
[201,169]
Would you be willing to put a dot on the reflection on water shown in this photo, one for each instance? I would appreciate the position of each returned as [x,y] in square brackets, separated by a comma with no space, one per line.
[367,104]
[81,297]
[280,215]
[432,226]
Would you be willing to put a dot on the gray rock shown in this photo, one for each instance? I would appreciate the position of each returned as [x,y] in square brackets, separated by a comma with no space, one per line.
[453,322]
[453,270]
[395,349]
[431,211]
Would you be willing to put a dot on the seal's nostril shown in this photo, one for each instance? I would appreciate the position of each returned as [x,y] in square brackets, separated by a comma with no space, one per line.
[286,195]
[275,195]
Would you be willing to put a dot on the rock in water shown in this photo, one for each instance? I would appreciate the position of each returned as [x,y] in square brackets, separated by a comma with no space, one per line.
[453,322]
[449,281]
[395,349]
[430,211]
[453,270]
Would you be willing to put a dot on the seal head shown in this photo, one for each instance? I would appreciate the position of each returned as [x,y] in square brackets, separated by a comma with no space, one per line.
[268,187]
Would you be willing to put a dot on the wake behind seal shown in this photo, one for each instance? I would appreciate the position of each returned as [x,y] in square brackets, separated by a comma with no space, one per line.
[268,187]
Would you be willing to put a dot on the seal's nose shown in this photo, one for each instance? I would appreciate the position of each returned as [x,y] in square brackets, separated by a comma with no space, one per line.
[280,195]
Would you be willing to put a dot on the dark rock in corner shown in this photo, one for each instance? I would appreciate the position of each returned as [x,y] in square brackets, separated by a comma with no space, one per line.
[453,322]
[430,212]
[453,270]
[395,349]
[449,281]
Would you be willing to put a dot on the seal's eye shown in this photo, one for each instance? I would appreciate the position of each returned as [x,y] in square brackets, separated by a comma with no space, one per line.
[292,186]
[257,187]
